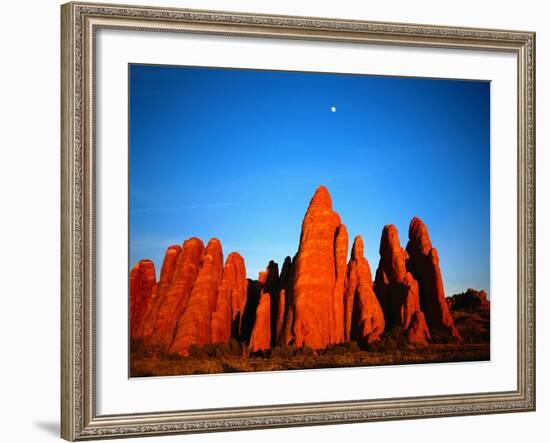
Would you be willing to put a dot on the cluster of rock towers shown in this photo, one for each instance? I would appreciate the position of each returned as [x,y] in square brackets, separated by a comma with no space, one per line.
[316,300]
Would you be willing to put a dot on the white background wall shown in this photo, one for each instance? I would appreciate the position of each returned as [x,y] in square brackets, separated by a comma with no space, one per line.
[29,220]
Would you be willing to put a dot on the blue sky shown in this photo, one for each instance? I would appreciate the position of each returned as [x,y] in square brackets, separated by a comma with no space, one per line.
[237,154]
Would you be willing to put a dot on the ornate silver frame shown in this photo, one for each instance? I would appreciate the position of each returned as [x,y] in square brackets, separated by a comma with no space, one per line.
[79,420]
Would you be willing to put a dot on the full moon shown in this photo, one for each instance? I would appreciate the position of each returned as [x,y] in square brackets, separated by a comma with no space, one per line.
[333,108]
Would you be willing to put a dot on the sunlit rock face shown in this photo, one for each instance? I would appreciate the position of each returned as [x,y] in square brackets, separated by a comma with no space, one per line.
[280,316]
[142,288]
[260,339]
[194,325]
[396,288]
[178,275]
[391,275]
[340,266]
[170,257]
[418,332]
[363,316]
[315,276]
[424,264]
[231,299]
[285,336]
[318,299]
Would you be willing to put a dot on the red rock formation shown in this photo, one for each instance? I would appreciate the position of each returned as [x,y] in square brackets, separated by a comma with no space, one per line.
[238,296]
[173,301]
[316,301]
[166,274]
[285,337]
[418,332]
[254,290]
[271,286]
[470,300]
[279,318]
[393,258]
[194,325]
[340,258]
[270,278]
[314,278]
[285,283]
[424,264]
[411,300]
[168,266]
[261,333]
[390,275]
[230,301]
[142,285]
[395,287]
[262,276]
[267,284]
[382,291]
[363,317]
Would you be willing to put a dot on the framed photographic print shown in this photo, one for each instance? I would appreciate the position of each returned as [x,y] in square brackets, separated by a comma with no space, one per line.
[282,221]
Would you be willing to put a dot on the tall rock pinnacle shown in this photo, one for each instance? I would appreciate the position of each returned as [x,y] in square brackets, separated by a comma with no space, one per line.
[424,264]
[194,326]
[166,274]
[281,314]
[179,272]
[315,275]
[260,339]
[142,286]
[397,289]
[227,316]
[363,316]
[340,257]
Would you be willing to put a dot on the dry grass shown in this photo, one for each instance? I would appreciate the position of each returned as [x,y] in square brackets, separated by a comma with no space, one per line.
[474,326]
[391,349]
[164,365]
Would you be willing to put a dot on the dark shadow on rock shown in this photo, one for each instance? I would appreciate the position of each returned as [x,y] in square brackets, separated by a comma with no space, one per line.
[249,314]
